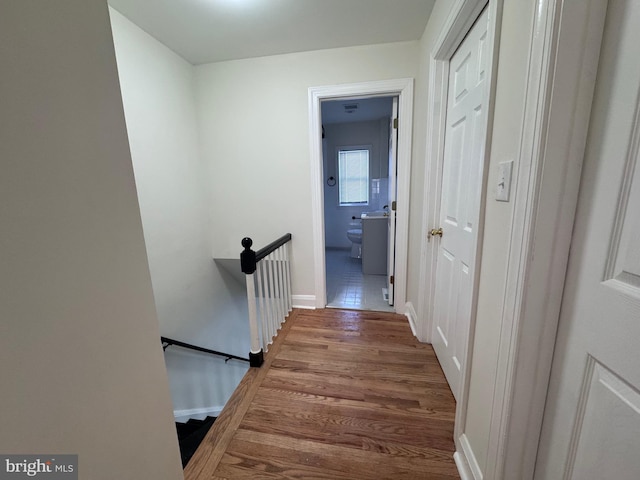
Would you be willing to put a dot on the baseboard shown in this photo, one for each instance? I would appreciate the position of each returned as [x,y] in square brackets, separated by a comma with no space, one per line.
[197,413]
[411,314]
[463,467]
[304,301]
[466,460]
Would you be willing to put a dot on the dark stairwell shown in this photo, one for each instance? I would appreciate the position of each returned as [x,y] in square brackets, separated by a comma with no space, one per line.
[190,436]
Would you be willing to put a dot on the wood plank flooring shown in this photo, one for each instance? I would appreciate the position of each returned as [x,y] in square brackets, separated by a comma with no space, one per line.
[342,395]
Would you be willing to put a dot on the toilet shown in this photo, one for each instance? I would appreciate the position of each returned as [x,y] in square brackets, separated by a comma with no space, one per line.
[355,235]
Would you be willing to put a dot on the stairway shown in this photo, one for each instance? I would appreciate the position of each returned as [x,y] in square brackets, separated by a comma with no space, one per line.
[190,435]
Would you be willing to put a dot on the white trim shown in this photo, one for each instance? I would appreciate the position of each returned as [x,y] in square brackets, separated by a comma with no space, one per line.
[469,459]
[304,301]
[563,61]
[410,313]
[463,466]
[403,88]
[199,413]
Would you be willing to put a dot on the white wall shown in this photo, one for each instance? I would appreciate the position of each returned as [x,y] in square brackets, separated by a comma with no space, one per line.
[195,301]
[254,134]
[81,367]
[373,133]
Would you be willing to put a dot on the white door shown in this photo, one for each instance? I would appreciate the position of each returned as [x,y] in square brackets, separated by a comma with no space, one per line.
[591,428]
[464,148]
[393,195]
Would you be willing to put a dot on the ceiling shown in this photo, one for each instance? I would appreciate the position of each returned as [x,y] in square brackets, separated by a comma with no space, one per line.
[205,31]
[361,110]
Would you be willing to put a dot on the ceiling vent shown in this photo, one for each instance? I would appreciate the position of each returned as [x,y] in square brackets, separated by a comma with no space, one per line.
[350,107]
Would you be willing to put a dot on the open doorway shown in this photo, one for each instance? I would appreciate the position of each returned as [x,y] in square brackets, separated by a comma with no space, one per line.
[403,90]
[358,157]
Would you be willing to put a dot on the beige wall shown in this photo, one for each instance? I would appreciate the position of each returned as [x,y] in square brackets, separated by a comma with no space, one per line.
[254,128]
[81,365]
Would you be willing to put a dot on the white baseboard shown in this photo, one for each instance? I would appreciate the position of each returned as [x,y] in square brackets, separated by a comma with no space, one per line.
[463,467]
[411,314]
[197,413]
[304,301]
[467,460]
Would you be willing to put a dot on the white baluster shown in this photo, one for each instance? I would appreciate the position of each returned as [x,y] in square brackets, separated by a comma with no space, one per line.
[262,311]
[282,299]
[274,308]
[253,315]
[267,300]
[288,276]
[276,264]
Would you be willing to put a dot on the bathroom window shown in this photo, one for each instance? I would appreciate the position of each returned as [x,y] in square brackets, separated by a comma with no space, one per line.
[353,176]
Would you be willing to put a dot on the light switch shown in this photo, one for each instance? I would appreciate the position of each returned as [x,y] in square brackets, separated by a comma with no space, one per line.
[503,186]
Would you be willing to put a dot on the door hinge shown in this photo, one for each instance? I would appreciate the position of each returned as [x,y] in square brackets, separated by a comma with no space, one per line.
[393,205]
[395,123]
[391,280]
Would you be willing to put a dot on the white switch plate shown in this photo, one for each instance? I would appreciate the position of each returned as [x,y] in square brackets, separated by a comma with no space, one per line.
[503,185]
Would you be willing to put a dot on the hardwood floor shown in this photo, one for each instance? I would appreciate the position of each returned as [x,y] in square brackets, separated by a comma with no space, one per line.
[342,395]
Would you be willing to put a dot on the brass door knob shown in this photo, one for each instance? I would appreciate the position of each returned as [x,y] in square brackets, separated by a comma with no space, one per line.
[436,231]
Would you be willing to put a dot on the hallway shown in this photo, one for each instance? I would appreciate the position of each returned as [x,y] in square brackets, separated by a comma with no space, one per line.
[342,395]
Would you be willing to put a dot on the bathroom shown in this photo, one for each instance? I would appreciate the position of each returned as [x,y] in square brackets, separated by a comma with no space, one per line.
[356,184]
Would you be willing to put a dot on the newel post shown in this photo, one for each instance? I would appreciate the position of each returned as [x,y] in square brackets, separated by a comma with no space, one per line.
[248,265]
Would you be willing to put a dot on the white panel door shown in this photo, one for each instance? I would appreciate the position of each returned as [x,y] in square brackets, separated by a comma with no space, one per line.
[464,147]
[393,195]
[591,428]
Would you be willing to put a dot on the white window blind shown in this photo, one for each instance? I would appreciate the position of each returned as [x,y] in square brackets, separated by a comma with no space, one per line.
[353,177]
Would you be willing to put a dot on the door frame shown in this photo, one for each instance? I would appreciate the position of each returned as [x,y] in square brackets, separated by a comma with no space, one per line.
[461,19]
[403,89]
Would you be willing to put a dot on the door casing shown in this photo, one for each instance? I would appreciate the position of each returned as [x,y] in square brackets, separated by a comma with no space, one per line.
[403,89]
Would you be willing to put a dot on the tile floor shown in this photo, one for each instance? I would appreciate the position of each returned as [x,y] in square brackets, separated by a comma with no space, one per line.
[347,287]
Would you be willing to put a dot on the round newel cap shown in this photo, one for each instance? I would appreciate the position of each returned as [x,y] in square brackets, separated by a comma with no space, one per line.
[247,242]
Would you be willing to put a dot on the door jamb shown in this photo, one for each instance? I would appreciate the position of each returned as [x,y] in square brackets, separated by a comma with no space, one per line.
[403,89]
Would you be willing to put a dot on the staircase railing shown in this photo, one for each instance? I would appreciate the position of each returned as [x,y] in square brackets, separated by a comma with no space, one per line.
[167,342]
[268,277]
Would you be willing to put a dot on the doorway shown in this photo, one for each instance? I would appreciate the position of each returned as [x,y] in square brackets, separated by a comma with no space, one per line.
[358,156]
[403,90]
